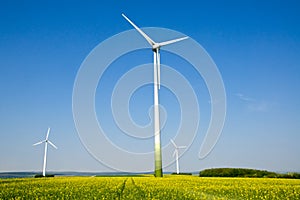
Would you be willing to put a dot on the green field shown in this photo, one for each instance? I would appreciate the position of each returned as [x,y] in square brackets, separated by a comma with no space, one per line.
[169,187]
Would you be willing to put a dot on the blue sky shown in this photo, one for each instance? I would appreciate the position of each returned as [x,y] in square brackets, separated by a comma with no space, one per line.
[256,46]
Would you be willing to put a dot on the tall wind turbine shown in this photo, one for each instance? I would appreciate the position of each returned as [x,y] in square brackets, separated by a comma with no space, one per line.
[156,56]
[46,141]
[176,154]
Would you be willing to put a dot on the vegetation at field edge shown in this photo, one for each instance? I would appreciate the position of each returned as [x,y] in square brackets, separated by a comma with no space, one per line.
[242,172]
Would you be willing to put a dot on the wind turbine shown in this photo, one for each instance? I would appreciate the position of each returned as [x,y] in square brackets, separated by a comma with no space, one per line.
[46,141]
[156,56]
[176,154]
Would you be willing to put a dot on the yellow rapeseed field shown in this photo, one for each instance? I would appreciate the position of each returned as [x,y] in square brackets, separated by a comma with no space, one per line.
[169,187]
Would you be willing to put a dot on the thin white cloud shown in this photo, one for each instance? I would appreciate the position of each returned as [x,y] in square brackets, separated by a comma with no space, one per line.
[244,98]
[262,106]
[254,105]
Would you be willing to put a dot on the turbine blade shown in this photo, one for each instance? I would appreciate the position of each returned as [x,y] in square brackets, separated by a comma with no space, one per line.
[158,69]
[39,143]
[174,143]
[181,147]
[172,41]
[47,133]
[149,40]
[52,144]
[174,154]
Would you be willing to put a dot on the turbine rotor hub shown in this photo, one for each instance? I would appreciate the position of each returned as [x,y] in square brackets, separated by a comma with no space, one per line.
[155,47]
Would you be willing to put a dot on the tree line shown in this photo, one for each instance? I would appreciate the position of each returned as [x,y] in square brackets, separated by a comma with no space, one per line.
[242,172]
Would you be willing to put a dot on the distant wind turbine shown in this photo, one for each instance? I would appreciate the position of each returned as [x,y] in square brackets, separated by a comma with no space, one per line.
[46,141]
[155,48]
[176,154]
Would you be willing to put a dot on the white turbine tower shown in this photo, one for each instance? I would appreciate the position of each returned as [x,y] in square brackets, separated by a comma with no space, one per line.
[46,141]
[176,154]
[155,48]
